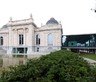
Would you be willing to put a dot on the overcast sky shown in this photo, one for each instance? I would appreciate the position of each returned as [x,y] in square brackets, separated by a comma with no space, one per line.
[75,15]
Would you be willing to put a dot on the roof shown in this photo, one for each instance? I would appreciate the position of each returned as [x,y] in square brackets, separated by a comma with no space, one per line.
[52,21]
[5,26]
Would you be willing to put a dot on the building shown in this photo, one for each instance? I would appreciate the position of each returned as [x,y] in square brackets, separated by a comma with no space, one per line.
[25,37]
[81,43]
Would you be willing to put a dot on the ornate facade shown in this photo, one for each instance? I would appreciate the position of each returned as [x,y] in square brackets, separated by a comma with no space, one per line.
[23,36]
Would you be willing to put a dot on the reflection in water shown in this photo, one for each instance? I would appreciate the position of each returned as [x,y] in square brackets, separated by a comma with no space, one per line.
[1,62]
[6,62]
[20,62]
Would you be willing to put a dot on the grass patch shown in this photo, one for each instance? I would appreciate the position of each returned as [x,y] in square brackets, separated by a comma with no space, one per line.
[90,56]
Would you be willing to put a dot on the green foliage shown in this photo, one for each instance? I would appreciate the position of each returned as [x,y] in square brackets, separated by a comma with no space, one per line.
[60,66]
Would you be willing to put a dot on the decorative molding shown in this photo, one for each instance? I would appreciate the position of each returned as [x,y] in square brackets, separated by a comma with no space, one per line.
[14,25]
[19,24]
[38,30]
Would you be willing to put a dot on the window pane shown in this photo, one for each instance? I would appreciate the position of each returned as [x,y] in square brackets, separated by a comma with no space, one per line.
[37,39]
[1,40]
[50,39]
[21,39]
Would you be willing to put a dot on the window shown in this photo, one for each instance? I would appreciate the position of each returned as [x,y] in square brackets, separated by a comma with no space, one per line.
[50,39]
[37,49]
[21,39]
[1,40]
[20,50]
[37,39]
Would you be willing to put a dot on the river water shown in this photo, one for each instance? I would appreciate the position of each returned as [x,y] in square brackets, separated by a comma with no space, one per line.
[6,62]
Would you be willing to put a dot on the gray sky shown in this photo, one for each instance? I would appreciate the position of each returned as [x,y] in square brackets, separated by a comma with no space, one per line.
[75,15]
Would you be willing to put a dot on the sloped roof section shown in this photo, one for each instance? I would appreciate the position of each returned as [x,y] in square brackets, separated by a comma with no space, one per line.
[52,21]
[5,26]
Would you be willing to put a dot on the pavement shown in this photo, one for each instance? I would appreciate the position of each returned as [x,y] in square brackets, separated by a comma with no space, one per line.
[90,60]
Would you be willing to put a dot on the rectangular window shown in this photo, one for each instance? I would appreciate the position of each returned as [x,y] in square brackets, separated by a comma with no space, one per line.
[37,40]
[1,40]
[21,39]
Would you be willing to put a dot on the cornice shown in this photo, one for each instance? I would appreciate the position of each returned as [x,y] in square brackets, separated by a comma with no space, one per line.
[21,22]
[47,29]
[13,25]
[4,32]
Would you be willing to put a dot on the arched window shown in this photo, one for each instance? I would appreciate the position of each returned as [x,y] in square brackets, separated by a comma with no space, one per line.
[50,39]
[37,39]
[1,40]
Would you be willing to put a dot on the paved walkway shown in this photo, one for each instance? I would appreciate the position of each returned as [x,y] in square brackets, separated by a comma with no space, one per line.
[90,60]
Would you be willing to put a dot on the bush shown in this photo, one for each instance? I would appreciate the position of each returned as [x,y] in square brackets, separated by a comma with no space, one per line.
[60,66]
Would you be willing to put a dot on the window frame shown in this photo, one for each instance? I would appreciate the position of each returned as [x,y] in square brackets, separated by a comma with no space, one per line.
[37,39]
[21,39]
[50,39]
[1,40]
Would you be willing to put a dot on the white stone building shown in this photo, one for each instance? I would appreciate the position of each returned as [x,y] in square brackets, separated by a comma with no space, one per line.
[24,37]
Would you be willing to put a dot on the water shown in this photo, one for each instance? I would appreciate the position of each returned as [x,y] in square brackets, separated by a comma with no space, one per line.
[6,62]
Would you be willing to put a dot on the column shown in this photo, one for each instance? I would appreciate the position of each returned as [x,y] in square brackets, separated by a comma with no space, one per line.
[30,39]
[10,41]
[24,29]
